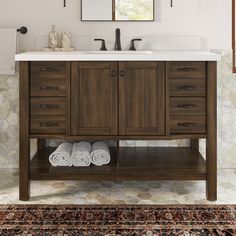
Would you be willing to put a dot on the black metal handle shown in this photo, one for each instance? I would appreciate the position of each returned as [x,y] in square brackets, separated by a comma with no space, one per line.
[49,106]
[187,124]
[113,73]
[49,87]
[122,73]
[186,87]
[103,46]
[50,69]
[49,124]
[186,69]
[132,46]
[186,106]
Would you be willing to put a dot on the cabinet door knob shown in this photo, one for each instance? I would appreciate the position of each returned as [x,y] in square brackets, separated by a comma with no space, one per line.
[122,73]
[113,73]
[187,124]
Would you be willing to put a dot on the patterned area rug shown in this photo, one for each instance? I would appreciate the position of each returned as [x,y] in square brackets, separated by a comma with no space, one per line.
[118,220]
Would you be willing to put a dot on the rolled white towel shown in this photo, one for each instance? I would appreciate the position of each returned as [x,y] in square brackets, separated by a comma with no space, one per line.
[81,154]
[100,154]
[62,155]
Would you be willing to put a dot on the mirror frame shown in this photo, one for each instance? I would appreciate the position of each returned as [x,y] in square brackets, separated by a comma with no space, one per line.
[233,35]
[114,15]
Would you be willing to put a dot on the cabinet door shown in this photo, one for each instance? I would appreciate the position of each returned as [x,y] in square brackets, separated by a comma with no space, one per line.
[94,98]
[142,98]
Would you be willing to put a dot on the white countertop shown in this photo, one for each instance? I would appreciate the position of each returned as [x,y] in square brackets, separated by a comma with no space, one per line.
[119,56]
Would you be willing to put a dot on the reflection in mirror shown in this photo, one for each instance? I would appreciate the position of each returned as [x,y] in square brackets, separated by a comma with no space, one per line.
[96,10]
[134,10]
[117,10]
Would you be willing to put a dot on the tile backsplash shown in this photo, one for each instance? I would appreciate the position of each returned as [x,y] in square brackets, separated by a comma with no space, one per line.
[9,119]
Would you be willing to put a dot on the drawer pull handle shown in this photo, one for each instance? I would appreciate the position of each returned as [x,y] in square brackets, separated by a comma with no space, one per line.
[113,73]
[187,124]
[186,106]
[49,87]
[50,69]
[49,106]
[186,87]
[186,69]
[122,74]
[49,124]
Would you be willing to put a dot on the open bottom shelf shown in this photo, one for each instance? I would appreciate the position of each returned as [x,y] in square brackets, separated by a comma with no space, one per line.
[128,163]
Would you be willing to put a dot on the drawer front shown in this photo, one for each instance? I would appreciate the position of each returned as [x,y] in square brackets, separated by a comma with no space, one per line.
[48,124]
[187,124]
[194,70]
[187,87]
[187,106]
[48,69]
[48,106]
[48,87]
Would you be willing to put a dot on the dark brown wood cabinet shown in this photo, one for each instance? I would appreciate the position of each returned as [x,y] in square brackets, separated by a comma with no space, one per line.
[94,98]
[141,98]
[126,100]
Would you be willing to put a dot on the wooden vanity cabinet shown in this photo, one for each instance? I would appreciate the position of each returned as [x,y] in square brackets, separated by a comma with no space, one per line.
[126,100]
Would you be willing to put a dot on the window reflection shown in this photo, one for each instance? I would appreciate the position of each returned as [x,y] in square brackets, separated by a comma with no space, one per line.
[134,10]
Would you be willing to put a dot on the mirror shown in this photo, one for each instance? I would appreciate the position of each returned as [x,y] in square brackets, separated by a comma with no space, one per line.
[117,10]
[96,10]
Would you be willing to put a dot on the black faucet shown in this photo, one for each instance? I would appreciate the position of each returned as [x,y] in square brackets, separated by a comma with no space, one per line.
[103,45]
[117,43]
[132,46]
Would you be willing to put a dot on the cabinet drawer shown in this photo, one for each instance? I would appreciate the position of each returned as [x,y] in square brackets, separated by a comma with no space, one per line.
[187,87]
[48,124]
[48,87]
[48,106]
[48,69]
[187,70]
[187,124]
[187,106]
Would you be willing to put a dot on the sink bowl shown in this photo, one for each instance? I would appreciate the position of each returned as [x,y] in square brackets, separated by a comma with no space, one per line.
[119,52]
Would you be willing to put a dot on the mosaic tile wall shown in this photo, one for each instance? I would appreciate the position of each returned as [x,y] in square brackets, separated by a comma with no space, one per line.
[226,119]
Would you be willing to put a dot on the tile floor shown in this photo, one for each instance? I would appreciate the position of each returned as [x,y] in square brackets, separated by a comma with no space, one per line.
[151,192]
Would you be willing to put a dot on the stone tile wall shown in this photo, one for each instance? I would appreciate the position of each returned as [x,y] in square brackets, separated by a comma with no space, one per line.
[9,108]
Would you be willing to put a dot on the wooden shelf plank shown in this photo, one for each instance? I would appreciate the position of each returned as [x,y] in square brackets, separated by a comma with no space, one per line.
[134,164]
[143,137]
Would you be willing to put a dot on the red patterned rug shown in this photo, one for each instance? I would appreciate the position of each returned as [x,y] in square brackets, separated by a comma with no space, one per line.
[115,220]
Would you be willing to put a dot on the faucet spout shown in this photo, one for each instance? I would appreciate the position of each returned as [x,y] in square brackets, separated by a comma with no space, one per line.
[117,42]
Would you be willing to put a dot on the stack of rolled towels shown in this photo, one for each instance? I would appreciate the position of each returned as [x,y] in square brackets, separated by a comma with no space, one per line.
[81,154]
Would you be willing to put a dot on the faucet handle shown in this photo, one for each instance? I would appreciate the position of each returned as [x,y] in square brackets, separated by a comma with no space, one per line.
[132,46]
[103,46]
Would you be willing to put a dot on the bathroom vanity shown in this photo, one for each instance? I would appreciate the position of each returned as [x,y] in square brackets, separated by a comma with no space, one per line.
[120,96]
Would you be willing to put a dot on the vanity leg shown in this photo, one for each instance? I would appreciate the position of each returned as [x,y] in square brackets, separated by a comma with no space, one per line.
[41,144]
[24,140]
[194,144]
[24,181]
[211,142]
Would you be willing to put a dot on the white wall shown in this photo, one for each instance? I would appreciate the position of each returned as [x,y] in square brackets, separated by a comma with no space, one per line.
[206,18]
